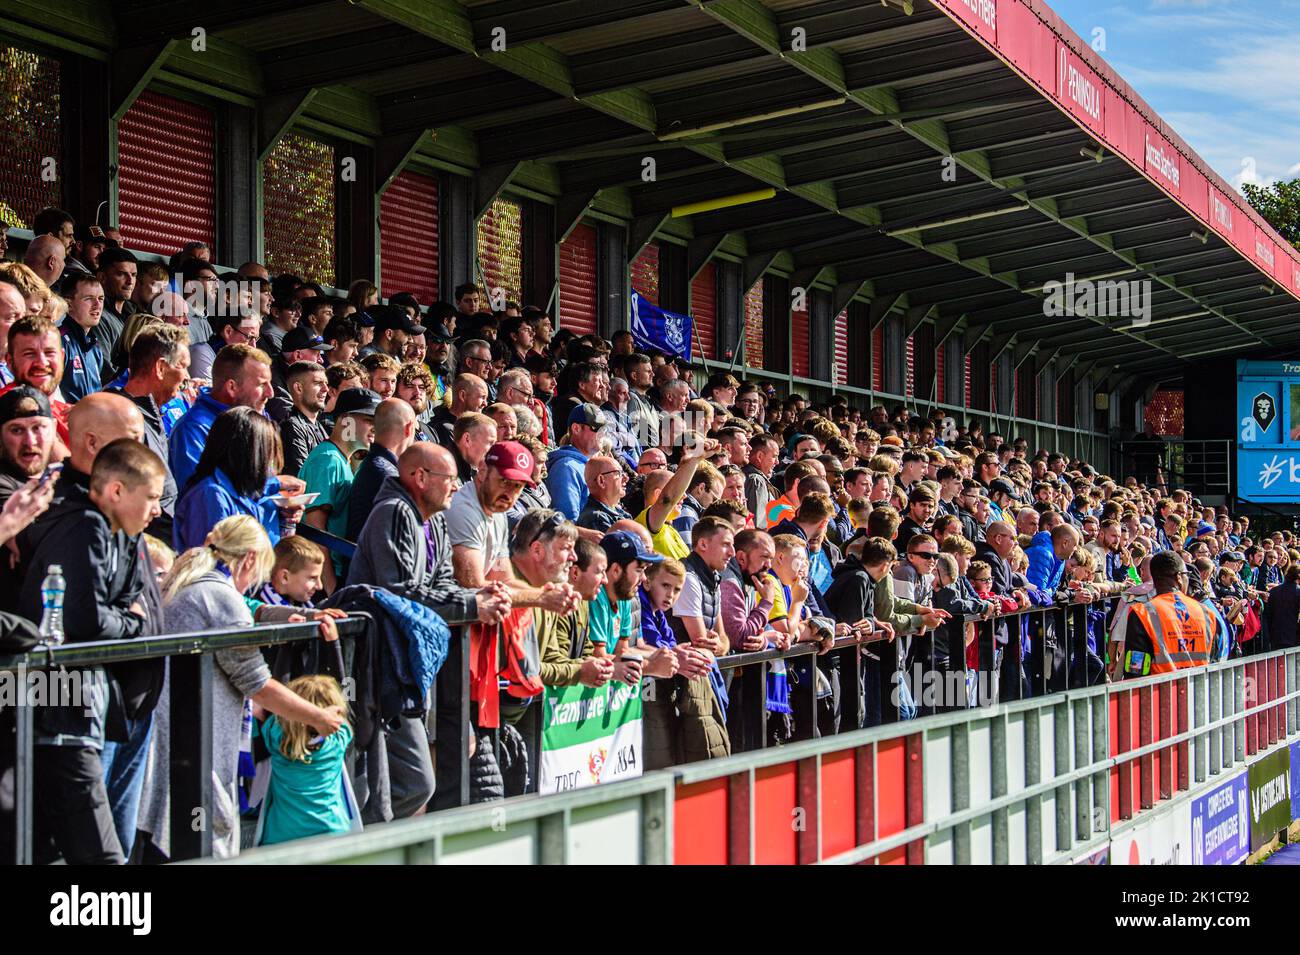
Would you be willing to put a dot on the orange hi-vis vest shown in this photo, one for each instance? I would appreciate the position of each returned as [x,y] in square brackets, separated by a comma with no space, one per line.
[1180,631]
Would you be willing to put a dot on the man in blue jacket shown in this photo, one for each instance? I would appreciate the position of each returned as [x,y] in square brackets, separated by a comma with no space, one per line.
[566,465]
[1047,555]
[241,376]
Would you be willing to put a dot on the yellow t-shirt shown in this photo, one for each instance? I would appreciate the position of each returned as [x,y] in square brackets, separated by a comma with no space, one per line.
[667,542]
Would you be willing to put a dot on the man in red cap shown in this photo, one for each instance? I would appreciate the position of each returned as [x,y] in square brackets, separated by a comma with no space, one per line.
[480,534]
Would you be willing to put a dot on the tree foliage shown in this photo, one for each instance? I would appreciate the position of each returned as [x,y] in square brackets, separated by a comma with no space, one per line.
[1279,204]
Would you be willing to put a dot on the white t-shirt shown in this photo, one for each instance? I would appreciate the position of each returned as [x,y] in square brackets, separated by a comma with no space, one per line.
[691,601]
[469,526]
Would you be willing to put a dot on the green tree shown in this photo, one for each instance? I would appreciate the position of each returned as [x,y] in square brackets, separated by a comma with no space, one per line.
[1279,204]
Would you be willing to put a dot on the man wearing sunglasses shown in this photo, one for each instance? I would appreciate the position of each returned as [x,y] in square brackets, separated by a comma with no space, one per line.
[607,486]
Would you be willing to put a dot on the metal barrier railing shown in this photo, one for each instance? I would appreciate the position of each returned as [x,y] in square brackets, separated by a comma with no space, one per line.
[1029,781]
[191,674]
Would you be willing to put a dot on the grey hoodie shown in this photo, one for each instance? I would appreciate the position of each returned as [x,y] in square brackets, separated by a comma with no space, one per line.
[393,553]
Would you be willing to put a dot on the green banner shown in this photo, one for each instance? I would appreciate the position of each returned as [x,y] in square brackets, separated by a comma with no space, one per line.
[1270,796]
[589,736]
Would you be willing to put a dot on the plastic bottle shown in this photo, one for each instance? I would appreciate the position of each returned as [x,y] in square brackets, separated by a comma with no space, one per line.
[53,588]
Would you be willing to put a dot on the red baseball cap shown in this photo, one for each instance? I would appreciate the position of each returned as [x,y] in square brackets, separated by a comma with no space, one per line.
[512,461]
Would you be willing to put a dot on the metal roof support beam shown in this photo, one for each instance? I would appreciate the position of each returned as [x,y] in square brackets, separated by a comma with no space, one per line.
[131,71]
[1044,358]
[1021,354]
[944,328]
[913,318]
[392,153]
[752,269]
[640,232]
[843,294]
[806,278]
[880,307]
[1000,344]
[276,115]
[699,250]
[488,184]
[569,210]
[973,337]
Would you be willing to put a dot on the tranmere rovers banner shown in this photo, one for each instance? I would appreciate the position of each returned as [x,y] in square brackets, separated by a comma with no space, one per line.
[589,736]
[652,327]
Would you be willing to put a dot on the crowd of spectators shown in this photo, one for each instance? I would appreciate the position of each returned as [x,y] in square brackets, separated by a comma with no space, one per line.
[201,449]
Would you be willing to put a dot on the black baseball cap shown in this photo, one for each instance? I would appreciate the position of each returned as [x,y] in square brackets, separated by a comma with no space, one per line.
[588,414]
[301,337]
[23,401]
[1002,485]
[360,401]
[395,318]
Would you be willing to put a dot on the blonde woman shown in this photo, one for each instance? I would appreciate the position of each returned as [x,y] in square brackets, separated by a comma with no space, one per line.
[205,591]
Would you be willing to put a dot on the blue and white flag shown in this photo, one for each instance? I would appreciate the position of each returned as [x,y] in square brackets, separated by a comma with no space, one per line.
[652,327]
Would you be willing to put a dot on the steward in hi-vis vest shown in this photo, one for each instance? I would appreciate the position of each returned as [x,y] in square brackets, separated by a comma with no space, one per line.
[1172,631]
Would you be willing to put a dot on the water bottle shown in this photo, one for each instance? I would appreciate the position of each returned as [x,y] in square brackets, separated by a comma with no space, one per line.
[52,590]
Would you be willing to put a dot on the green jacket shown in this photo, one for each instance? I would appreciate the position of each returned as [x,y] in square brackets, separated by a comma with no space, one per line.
[555,636]
[903,615]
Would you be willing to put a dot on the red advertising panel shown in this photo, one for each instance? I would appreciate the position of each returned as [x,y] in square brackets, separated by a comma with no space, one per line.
[1265,252]
[981,16]
[1223,215]
[1080,89]
[1162,161]
[1294,271]
[1027,42]
[1123,127]
[1196,191]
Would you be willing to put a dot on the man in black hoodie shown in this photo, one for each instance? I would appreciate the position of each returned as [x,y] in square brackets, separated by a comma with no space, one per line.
[851,598]
[92,536]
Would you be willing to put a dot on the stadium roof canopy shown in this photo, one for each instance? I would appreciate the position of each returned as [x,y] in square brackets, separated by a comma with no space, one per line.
[849,110]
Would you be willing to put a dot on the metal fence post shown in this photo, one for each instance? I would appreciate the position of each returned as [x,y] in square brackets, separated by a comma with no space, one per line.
[191,756]
[24,772]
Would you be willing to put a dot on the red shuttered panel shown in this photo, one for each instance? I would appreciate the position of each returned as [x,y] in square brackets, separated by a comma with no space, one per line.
[800,344]
[754,326]
[965,377]
[166,174]
[993,389]
[909,383]
[878,358]
[500,249]
[645,273]
[408,237]
[704,310]
[578,281]
[841,359]
[940,364]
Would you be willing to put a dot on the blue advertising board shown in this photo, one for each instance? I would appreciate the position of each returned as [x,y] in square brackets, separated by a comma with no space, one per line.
[1221,824]
[1295,780]
[1268,431]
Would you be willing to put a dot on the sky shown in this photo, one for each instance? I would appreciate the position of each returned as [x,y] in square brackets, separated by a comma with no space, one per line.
[1224,73]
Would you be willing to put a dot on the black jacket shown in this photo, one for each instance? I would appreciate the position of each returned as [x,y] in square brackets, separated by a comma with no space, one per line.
[1281,611]
[104,576]
[851,595]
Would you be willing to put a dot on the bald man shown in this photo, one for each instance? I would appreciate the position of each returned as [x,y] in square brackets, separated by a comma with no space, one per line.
[393,553]
[394,432]
[45,256]
[607,486]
